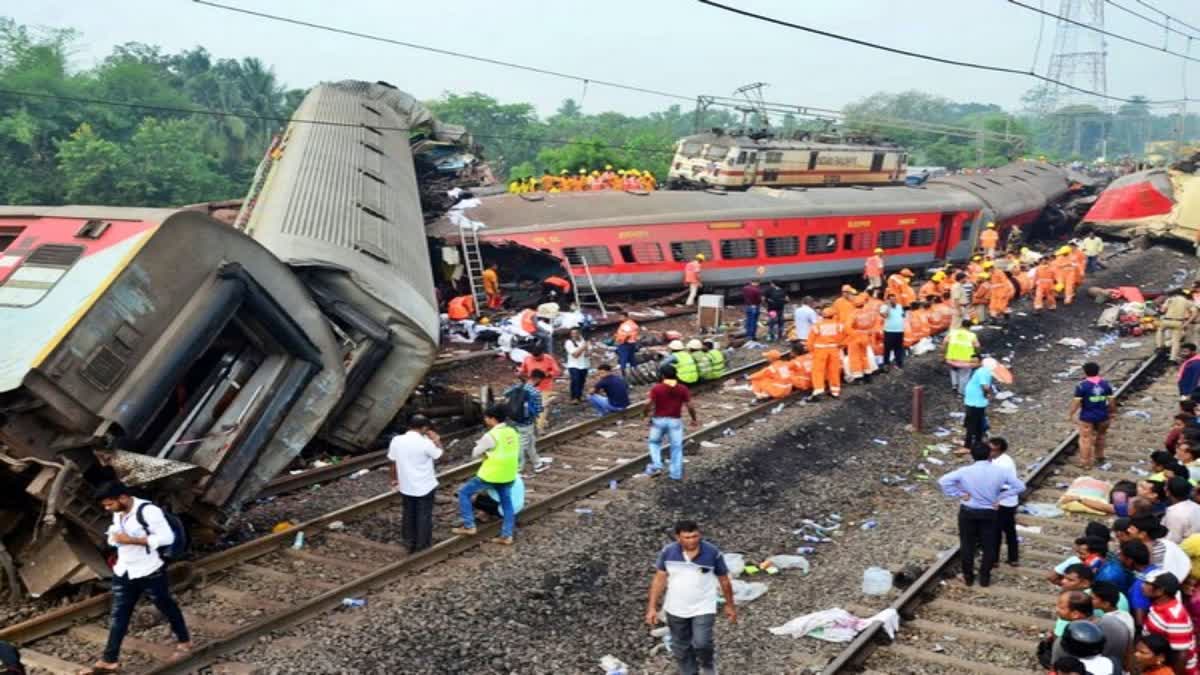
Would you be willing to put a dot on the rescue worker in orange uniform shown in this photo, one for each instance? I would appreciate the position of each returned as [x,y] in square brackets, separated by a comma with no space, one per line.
[1065,274]
[873,270]
[989,239]
[940,316]
[916,324]
[1044,281]
[626,340]
[975,267]
[931,288]
[802,368]
[691,278]
[1002,294]
[843,307]
[981,297]
[873,304]
[461,307]
[902,287]
[556,285]
[860,334]
[1023,277]
[825,342]
[648,183]
[1080,259]
[548,181]
[774,381]
[491,287]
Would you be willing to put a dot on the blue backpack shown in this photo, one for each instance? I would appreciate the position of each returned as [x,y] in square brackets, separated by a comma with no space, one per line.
[177,549]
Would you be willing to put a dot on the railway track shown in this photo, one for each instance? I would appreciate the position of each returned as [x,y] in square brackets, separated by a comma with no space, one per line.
[235,597]
[946,627]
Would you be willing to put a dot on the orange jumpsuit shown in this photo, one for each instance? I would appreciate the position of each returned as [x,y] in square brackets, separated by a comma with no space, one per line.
[547,182]
[973,269]
[860,331]
[979,301]
[774,381]
[802,372]
[873,305]
[1024,280]
[896,283]
[491,288]
[988,240]
[1043,283]
[843,308]
[930,288]
[626,332]
[940,316]
[1065,274]
[1002,294]
[873,268]
[1080,260]
[916,326]
[460,308]
[825,342]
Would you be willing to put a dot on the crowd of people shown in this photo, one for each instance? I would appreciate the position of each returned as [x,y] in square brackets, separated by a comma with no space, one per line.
[595,180]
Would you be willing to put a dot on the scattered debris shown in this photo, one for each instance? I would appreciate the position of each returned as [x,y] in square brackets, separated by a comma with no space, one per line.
[1078,343]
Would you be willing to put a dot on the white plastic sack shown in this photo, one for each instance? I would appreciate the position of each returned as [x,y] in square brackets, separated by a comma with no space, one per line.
[735,562]
[787,562]
[923,346]
[747,591]
[1042,510]
[836,625]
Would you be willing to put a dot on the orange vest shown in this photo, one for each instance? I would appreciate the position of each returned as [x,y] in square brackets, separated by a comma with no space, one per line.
[802,372]
[527,323]
[873,266]
[865,320]
[1044,276]
[983,293]
[627,332]
[989,238]
[691,272]
[844,309]
[826,334]
[461,307]
[930,288]
[940,316]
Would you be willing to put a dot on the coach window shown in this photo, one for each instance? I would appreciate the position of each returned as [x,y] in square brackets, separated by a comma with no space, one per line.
[859,241]
[739,249]
[645,252]
[820,243]
[683,251]
[691,149]
[741,159]
[782,247]
[890,239]
[921,237]
[812,161]
[773,157]
[8,235]
[594,255]
[40,272]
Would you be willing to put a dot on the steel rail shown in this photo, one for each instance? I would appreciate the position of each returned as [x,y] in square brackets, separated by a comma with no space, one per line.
[208,654]
[856,653]
[184,574]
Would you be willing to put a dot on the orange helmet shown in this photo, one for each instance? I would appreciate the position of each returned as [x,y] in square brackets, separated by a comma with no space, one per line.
[906,272]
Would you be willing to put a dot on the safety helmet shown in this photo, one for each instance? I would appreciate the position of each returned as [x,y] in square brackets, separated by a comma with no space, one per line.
[906,272]
[695,344]
[1058,288]
[608,167]
[879,250]
[485,321]
[595,172]
[984,275]
[976,258]
[847,288]
[1064,250]
[676,345]
[583,172]
[700,257]
[1024,249]
[1082,639]
[938,276]
[772,355]
[621,172]
[562,172]
[988,264]
[991,226]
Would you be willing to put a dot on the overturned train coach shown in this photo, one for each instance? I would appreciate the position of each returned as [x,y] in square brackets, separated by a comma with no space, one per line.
[195,361]
[636,241]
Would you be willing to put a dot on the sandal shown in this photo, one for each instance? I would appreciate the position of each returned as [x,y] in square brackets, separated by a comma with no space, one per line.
[99,670]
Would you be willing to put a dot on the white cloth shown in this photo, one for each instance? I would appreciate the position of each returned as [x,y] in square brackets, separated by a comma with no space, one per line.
[138,560]
[414,455]
[1174,559]
[1098,665]
[582,362]
[1182,520]
[1006,462]
[804,318]
[836,625]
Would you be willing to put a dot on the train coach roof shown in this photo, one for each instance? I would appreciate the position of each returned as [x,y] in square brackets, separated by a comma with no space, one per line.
[512,213]
[149,215]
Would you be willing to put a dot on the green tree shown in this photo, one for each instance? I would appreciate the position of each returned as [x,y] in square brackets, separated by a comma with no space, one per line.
[93,169]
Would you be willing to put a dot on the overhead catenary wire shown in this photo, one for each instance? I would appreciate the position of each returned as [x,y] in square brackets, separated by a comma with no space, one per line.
[1166,16]
[905,52]
[1095,29]
[1165,26]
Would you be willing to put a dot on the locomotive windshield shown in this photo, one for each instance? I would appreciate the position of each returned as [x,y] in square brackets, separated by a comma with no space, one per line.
[690,148]
[716,152]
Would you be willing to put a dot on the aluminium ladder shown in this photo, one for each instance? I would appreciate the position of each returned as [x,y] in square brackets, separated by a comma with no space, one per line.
[473,261]
[588,296]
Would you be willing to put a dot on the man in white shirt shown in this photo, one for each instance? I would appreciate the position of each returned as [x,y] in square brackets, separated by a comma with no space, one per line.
[1183,515]
[414,453]
[1006,516]
[138,530]
[804,317]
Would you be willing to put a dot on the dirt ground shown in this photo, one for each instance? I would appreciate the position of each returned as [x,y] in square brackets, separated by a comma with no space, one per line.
[573,591]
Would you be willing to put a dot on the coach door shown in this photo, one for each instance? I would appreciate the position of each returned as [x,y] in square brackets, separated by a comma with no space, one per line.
[945,228]
[751,169]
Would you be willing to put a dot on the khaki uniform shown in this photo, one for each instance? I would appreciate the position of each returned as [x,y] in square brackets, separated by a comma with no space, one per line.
[1176,311]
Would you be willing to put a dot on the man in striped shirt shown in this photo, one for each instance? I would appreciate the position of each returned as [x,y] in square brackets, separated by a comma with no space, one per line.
[1169,618]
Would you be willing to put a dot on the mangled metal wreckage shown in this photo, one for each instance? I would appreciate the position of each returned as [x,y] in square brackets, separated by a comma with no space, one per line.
[195,360]
[1162,203]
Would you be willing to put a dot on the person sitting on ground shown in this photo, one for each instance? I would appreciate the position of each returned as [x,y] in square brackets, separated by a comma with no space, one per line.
[1182,518]
[1119,497]
[488,501]
[801,367]
[610,394]
[774,381]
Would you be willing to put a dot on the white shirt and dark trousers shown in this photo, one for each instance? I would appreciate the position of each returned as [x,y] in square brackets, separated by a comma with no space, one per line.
[413,454]
[138,570]
[1006,515]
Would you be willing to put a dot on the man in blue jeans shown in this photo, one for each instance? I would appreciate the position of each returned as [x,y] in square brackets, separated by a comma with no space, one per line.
[139,529]
[689,572]
[611,392]
[752,298]
[665,408]
[501,451]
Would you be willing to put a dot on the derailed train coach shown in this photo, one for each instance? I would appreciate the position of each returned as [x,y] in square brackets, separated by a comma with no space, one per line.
[195,360]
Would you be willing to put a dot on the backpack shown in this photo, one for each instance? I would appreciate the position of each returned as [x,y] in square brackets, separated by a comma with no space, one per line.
[516,405]
[177,549]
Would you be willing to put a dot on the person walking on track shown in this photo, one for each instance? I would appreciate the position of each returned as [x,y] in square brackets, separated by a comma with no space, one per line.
[962,346]
[979,487]
[976,395]
[414,453]
[1093,403]
[500,448]
[665,407]
[688,573]
[139,531]
[626,340]
[873,270]
[691,278]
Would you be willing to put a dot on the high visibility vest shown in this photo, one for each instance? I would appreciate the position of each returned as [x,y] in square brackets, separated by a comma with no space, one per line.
[960,345]
[716,360]
[627,332]
[703,365]
[500,464]
[460,308]
[827,334]
[685,368]
[527,323]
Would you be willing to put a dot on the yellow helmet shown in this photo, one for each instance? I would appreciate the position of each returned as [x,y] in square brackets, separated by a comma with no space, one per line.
[984,275]
[1024,249]
[938,276]
[976,258]
[608,167]
[582,172]
[700,257]
[991,226]
[563,172]
[595,172]
[879,250]
[1064,250]
[988,264]
[1058,288]
[485,321]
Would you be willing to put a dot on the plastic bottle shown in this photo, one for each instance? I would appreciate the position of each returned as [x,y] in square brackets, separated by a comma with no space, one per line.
[298,542]
[806,550]
[354,603]
[876,581]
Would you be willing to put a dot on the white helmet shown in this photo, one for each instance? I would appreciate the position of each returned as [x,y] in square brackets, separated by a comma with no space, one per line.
[676,345]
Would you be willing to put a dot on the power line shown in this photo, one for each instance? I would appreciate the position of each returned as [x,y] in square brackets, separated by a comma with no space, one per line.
[905,52]
[445,52]
[1166,16]
[1101,31]
[1143,17]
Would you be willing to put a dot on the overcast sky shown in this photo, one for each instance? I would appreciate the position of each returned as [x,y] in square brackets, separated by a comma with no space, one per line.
[675,45]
